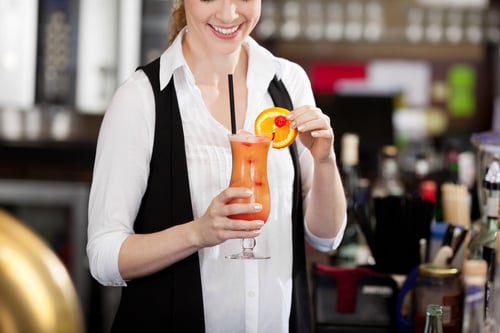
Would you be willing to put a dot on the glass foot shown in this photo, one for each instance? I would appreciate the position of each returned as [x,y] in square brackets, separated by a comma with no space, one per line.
[246,255]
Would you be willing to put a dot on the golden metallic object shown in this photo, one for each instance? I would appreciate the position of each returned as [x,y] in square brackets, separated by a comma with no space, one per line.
[36,291]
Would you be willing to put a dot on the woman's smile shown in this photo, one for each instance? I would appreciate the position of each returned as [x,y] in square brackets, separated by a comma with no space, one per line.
[225,31]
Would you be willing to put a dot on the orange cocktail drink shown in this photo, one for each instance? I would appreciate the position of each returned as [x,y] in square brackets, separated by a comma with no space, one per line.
[249,169]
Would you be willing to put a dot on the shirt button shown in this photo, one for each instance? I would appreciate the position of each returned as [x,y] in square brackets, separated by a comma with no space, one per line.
[251,294]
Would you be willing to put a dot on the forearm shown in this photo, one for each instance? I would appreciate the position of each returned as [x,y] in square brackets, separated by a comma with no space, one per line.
[327,205]
[144,254]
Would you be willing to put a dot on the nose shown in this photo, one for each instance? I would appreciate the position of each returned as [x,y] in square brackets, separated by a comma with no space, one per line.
[228,11]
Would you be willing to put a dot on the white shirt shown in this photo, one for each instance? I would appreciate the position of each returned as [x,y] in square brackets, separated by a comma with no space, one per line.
[239,296]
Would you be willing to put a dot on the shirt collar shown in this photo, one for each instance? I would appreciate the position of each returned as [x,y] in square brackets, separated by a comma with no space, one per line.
[261,64]
[172,59]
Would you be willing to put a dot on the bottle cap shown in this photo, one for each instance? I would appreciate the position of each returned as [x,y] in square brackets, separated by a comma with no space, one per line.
[438,270]
[389,151]
[349,153]
[428,190]
[435,309]
[422,166]
[491,180]
[475,267]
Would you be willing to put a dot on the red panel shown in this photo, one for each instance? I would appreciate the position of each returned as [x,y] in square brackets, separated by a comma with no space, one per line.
[326,75]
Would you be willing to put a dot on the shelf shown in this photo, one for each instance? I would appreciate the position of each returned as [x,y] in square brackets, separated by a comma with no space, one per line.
[39,144]
[305,51]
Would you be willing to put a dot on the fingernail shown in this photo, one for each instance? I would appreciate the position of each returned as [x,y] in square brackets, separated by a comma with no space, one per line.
[248,193]
[260,223]
[293,124]
[257,207]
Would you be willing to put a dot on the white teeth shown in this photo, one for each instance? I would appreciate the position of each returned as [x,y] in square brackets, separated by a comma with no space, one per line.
[225,31]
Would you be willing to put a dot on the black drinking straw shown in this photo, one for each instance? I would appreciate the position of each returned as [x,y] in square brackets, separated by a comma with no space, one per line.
[231,103]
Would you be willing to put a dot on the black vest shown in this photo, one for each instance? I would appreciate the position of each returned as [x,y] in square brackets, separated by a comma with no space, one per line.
[171,299]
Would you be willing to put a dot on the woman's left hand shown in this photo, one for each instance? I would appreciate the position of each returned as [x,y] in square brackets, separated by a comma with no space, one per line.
[315,131]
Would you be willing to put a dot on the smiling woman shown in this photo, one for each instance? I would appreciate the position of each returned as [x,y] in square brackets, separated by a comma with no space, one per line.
[163,216]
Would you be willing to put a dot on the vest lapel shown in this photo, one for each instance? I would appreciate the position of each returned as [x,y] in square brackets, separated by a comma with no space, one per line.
[301,315]
[169,300]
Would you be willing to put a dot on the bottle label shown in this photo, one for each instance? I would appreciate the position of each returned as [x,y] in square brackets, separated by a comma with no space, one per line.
[452,309]
[492,205]
[474,296]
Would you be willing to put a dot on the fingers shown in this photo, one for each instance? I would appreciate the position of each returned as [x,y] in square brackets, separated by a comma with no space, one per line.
[228,228]
[232,210]
[310,119]
[234,201]
[242,229]
[218,223]
[315,131]
[232,234]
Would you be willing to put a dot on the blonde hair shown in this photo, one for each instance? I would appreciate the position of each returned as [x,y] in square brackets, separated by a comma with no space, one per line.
[177,20]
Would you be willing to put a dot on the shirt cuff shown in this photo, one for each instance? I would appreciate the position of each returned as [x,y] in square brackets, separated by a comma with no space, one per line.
[104,260]
[325,244]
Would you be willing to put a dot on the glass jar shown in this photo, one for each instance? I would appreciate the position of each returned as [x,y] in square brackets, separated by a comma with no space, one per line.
[437,284]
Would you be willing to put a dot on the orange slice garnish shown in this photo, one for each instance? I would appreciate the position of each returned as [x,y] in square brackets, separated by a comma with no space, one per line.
[273,123]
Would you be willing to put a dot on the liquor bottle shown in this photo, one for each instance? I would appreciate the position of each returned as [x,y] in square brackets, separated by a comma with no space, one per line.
[474,280]
[486,235]
[417,182]
[347,251]
[420,173]
[493,314]
[388,181]
[423,187]
[350,169]
[451,165]
[434,319]
[489,248]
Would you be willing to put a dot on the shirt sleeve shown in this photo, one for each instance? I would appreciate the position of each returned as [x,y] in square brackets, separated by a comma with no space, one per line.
[120,174]
[325,244]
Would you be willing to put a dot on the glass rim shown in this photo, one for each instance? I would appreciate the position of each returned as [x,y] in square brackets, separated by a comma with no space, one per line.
[248,137]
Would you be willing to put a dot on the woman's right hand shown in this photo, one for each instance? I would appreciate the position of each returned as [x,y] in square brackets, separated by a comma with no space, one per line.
[216,226]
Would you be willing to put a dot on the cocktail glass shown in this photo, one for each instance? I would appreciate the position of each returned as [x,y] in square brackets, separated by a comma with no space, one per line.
[249,169]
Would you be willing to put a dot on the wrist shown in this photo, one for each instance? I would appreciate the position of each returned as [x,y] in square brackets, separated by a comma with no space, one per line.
[327,160]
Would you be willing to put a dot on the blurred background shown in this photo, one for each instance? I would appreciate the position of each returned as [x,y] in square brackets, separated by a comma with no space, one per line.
[421,75]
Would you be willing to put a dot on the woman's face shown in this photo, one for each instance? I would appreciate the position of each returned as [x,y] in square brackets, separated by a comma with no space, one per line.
[221,25]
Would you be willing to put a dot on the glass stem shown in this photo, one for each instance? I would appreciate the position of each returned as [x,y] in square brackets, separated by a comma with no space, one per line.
[248,244]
